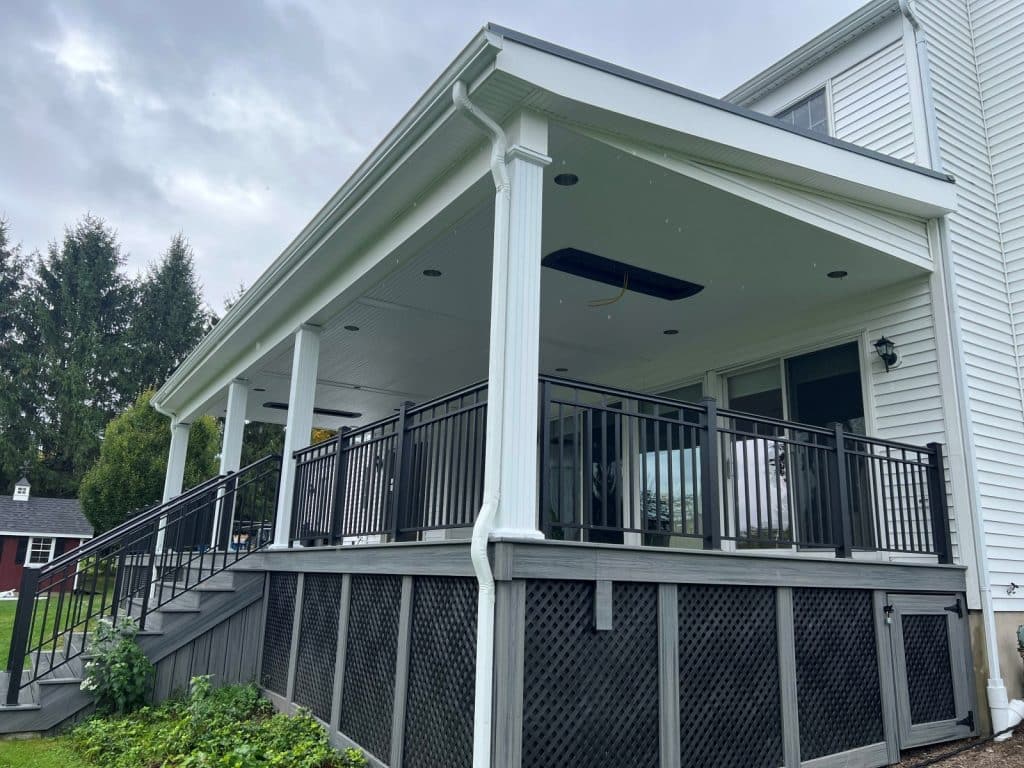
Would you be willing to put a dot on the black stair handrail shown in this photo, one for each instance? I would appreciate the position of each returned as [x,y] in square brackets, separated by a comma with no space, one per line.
[204,531]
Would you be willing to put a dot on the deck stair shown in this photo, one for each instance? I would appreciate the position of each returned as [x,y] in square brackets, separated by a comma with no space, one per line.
[176,592]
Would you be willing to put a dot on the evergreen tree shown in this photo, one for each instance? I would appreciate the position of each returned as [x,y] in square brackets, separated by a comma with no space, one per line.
[169,318]
[129,473]
[81,304]
[16,337]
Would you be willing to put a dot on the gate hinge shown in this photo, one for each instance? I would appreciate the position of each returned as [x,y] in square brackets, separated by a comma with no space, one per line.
[955,608]
[968,721]
[887,610]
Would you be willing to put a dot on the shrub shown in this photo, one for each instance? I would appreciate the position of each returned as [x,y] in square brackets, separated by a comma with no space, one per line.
[230,727]
[118,675]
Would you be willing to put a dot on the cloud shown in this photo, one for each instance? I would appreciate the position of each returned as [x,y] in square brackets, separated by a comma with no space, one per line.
[233,121]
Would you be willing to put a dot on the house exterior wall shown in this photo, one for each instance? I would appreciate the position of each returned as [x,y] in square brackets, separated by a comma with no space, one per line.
[975,71]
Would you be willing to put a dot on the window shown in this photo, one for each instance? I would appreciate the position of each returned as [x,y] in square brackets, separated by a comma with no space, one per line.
[40,551]
[811,113]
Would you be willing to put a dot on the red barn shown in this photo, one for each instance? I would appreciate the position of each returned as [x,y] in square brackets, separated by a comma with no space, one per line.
[35,530]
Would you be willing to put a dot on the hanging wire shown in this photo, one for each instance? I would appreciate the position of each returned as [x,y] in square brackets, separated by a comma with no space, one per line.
[613,299]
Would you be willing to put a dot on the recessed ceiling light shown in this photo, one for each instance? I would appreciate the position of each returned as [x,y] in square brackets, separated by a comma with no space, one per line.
[561,370]
[432,272]
[838,274]
[351,327]
[670,331]
[567,179]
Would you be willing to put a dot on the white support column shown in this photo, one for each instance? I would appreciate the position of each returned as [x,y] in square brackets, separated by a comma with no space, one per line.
[174,478]
[301,394]
[526,159]
[231,448]
[234,427]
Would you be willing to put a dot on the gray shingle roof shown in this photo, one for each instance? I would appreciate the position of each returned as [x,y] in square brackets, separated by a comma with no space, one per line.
[60,517]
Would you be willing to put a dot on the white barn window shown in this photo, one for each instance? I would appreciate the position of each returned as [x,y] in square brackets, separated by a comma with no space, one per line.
[40,550]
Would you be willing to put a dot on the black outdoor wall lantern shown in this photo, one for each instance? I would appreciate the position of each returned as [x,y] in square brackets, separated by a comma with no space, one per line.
[887,351]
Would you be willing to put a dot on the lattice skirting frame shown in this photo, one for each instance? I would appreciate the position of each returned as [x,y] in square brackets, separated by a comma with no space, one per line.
[620,674]
[277,632]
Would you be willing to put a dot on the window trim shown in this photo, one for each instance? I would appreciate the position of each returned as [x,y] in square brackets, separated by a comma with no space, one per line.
[825,89]
[31,543]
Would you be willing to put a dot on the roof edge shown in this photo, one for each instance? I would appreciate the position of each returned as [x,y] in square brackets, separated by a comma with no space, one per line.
[710,101]
[355,187]
[810,53]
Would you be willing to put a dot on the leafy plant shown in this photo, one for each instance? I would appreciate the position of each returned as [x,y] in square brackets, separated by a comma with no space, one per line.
[118,675]
[230,727]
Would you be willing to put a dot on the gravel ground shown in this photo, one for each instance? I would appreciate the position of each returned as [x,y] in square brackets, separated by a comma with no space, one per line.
[1003,755]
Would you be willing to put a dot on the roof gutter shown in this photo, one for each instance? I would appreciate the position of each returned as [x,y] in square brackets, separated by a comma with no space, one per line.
[480,52]
[1001,709]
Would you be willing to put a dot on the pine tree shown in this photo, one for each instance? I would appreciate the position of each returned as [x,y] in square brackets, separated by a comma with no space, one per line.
[17,411]
[169,317]
[81,305]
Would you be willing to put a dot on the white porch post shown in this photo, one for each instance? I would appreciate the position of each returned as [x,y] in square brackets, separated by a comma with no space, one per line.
[175,475]
[231,444]
[301,395]
[234,427]
[526,159]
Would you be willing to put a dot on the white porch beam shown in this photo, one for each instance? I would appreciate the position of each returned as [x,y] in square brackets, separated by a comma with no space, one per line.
[234,426]
[526,159]
[301,395]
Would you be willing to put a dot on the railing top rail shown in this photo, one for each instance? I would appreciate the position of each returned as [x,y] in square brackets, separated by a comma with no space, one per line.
[152,513]
[477,386]
[623,393]
[323,445]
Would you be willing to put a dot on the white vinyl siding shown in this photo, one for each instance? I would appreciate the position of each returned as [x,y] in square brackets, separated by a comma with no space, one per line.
[998,28]
[871,104]
[983,278]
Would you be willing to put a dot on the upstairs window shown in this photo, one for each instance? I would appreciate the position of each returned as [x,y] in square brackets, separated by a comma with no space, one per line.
[811,113]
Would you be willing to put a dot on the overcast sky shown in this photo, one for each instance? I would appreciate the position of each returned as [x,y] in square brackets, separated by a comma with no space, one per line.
[233,122]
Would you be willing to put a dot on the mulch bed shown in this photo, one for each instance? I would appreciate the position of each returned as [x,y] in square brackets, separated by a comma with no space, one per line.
[989,755]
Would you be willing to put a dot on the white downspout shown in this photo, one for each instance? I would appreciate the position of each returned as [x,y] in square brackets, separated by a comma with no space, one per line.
[495,406]
[1004,714]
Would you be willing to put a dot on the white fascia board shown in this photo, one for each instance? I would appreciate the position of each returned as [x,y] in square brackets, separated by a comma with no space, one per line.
[721,132]
[430,111]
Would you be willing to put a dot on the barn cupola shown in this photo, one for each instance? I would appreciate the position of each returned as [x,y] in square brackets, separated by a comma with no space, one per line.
[21,490]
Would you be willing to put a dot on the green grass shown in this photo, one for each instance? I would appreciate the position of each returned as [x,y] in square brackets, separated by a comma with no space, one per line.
[40,753]
[7,609]
[6,627]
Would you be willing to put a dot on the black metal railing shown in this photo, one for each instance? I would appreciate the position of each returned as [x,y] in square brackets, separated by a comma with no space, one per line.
[419,470]
[623,467]
[137,567]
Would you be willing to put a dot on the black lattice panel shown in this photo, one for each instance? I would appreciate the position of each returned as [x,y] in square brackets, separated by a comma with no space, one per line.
[369,684]
[277,632]
[929,675]
[838,691]
[590,698]
[730,715]
[318,643]
[442,664]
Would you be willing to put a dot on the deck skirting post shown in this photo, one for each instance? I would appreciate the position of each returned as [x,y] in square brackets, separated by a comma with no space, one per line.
[668,675]
[509,660]
[401,674]
[293,655]
[342,649]
[785,633]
